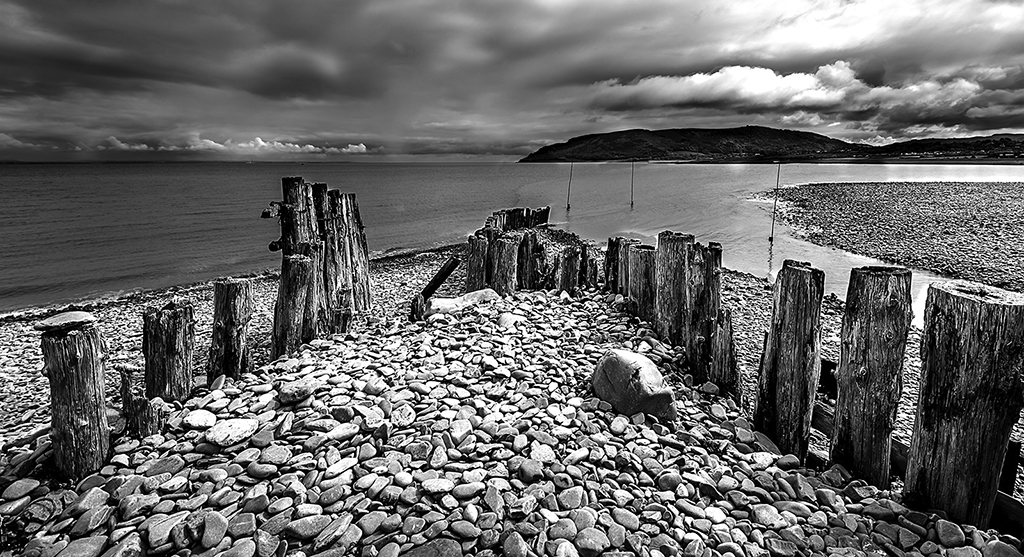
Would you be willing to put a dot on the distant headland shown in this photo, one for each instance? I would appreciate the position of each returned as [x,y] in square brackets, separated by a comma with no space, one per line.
[762,144]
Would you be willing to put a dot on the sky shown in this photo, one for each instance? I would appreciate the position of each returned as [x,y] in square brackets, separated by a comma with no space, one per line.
[489,79]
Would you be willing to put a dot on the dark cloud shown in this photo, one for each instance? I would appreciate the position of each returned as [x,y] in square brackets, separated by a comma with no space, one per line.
[490,77]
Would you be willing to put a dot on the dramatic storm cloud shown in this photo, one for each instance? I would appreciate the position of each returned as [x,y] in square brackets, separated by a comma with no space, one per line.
[379,78]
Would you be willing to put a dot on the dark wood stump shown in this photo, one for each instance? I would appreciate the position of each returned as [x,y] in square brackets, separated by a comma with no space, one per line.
[704,300]
[671,304]
[870,372]
[229,345]
[971,394]
[642,285]
[723,370]
[296,272]
[791,362]
[623,263]
[315,309]
[505,258]
[567,268]
[359,261]
[142,416]
[73,352]
[476,265]
[168,345]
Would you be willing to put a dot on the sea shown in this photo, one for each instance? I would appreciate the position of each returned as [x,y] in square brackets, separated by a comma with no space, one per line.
[80,231]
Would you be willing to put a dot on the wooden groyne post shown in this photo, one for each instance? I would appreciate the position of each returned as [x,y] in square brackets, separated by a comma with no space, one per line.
[790,363]
[143,416]
[870,373]
[621,262]
[325,227]
[73,352]
[971,395]
[168,343]
[229,344]
[642,282]
[516,250]
[296,274]
[671,301]
[703,276]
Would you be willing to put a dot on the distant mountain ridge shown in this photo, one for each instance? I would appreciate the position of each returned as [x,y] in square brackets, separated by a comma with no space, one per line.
[755,143]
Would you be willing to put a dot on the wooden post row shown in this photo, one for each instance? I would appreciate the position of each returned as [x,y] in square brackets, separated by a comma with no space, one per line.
[73,352]
[971,395]
[790,363]
[870,373]
[325,227]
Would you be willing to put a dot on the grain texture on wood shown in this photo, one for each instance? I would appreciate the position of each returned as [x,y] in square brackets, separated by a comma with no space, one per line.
[723,370]
[670,300]
[168,346]
[296,271]
[791,363]
[359,256]
[505,251]
[971,394]
[642,284]
[870,373]
[567,268]
[704,300]
[142,416]
[315,308]
[476,264]
[622,286]
[73,363]
[233,307]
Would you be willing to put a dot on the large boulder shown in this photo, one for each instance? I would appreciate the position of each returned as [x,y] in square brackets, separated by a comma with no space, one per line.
[631,383]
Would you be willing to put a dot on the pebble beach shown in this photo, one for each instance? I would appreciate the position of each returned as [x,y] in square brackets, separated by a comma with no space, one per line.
[968,230]
[474,433]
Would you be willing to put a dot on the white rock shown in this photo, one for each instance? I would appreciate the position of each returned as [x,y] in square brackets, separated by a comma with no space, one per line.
[230,432]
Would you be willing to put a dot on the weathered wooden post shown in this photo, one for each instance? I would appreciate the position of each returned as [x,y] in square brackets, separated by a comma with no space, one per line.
[292,290]
[642,263]
[358,262]
[476,265]
[704,302]
[567,268]
[168,341]
[791,363]
[870,372]
[623,262]
[73,352]
[723,371]
[971,394]
[229,343]
[670,300]
[505,251]
[143,416]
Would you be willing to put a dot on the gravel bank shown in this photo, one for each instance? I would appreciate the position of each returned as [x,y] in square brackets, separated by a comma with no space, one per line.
[970,230]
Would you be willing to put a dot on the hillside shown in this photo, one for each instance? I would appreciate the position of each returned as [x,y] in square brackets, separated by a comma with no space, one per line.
[754,143]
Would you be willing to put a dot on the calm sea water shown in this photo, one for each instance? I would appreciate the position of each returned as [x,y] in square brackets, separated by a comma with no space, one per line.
[82,230]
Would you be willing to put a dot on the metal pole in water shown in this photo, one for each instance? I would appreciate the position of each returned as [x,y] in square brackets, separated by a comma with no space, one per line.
[775,205]
[569,189]
[632,164]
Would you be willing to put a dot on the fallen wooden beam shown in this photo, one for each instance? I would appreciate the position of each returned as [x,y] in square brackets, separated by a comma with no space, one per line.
[419,301]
